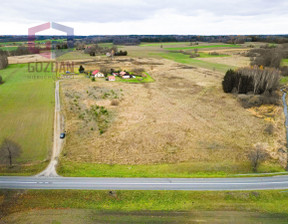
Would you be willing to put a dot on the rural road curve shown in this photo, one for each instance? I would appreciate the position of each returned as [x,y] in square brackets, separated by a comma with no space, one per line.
[210,184]
[50,171]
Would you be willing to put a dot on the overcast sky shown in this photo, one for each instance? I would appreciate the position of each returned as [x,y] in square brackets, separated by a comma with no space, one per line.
[97,17]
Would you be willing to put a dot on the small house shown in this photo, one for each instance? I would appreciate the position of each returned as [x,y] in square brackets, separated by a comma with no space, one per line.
[95,72]
[99,75]
[111,78]
[122,73]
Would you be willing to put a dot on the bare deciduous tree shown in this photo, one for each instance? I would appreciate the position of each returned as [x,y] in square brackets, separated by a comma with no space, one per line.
[9,150]
[3,59]
[257,155]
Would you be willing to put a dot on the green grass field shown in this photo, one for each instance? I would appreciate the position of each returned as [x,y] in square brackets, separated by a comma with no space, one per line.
[204,46]
[137,79]
[27,112]
[185,59]
[266,203]
[8,48]
[164,44]
[285,62]
[180,170]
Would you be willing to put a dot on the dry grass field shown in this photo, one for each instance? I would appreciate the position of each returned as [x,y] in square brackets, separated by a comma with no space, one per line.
[234,60]
[182,117]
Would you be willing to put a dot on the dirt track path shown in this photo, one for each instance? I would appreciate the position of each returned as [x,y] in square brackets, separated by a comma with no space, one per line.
[50,171]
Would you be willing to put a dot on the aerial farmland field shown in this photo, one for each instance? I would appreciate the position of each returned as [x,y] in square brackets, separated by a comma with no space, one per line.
[27,105]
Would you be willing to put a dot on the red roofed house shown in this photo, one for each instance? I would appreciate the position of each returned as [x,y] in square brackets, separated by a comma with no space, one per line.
[111,78]
[98,74]
[122,73]
[95,72]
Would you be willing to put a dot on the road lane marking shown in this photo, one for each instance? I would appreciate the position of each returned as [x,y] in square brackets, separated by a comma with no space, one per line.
[111,183]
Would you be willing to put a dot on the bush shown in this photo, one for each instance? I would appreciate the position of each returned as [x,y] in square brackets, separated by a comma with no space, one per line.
[194,55]
[138,71]
[213,53]
[284,71]
[257,156]
[93,79]
[248,101]
[115,102]
[1,79]
[266,57]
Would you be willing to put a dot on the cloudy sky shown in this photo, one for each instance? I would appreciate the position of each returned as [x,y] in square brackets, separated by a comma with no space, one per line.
[96,17]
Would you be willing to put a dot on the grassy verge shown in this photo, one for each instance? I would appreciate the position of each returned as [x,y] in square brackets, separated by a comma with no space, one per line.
[23,170]
[137,79]
[185,59]
[181,170]
[27,106]
[271,202]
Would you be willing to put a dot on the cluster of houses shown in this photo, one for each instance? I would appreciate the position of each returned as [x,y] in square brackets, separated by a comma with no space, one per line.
[112,77]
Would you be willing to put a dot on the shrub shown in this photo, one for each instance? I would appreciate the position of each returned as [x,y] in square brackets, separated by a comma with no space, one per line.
[1,79]
[138,71]
[257,155]
[284,71]
[213,53]
[93,79]
[194,55]
[268,57]
[115,102]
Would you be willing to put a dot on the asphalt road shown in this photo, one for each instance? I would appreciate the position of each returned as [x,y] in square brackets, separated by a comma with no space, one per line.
[212,184]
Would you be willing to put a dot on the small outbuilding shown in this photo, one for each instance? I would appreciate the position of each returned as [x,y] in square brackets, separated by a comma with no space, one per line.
[111,78]
[99,75]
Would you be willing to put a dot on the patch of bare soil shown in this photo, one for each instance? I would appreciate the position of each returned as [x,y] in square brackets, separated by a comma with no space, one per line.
[183,116]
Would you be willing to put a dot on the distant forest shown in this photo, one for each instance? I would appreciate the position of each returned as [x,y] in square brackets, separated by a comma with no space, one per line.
[137,39]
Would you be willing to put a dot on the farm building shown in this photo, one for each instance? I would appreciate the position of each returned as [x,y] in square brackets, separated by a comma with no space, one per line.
[95,72]
[111,78]
[122,73]
[99,75]
[128,77]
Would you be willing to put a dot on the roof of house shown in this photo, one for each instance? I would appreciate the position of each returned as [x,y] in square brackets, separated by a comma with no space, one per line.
[111,77]
[122,73]
[95,72]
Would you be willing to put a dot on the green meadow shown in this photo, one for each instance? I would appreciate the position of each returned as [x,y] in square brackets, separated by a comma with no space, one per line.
[185,59]
[204,46]
[58,206]
[27,112]
[164,44]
